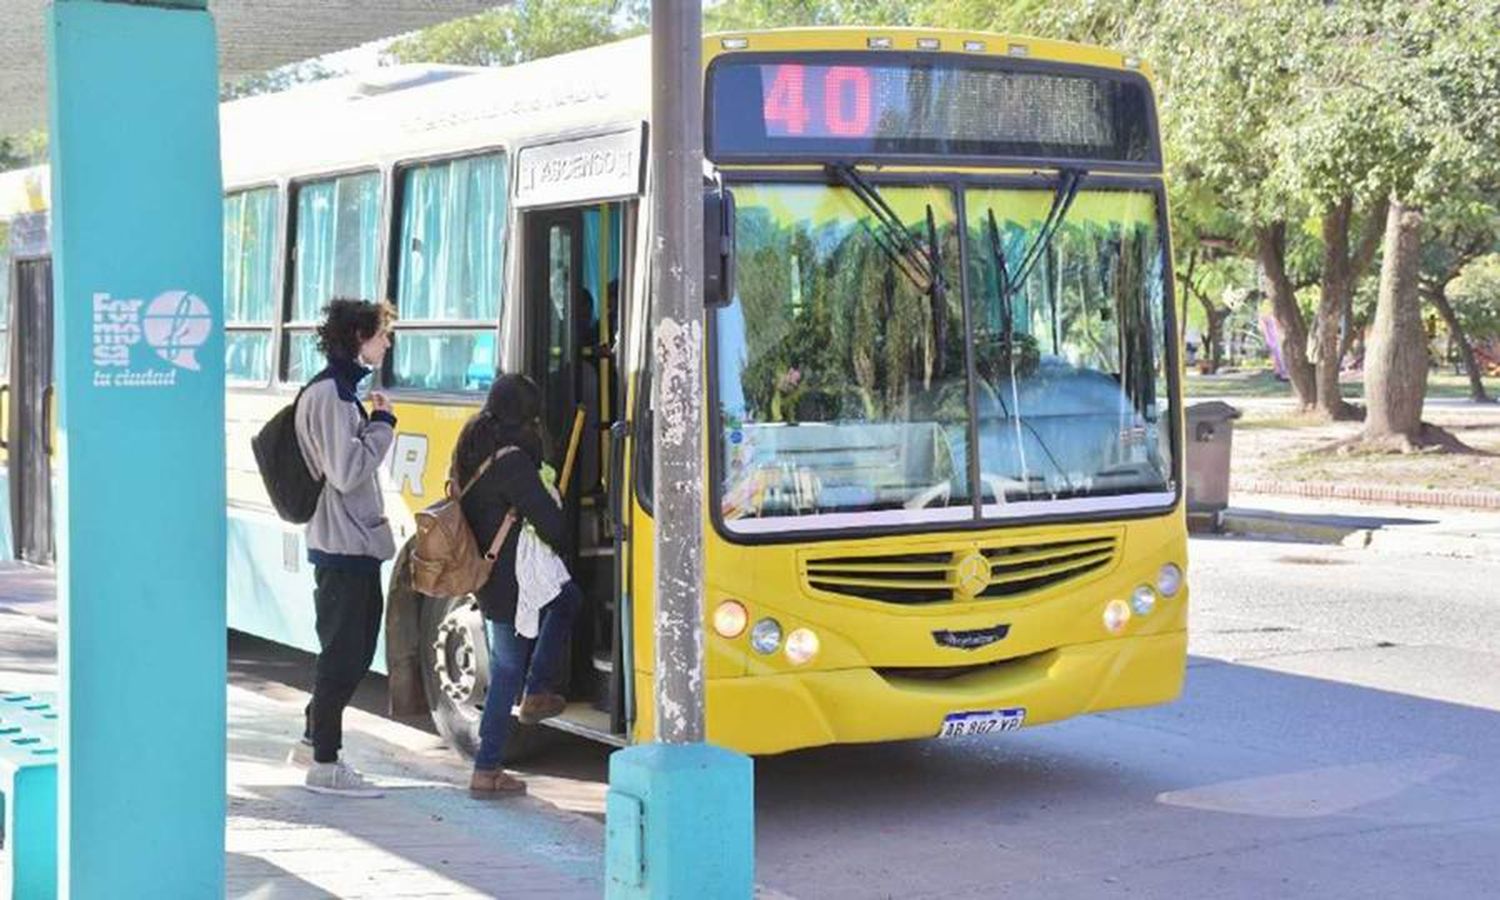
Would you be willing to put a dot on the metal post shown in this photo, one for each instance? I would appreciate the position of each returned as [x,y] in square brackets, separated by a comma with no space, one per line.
[680,814]
[677,394]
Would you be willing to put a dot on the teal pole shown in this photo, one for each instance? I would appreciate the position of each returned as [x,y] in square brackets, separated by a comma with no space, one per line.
[137,206]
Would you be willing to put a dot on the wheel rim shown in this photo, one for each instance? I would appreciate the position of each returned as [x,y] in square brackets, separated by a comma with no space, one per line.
[461,659]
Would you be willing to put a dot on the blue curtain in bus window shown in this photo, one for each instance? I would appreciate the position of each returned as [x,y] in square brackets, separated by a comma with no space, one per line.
[5,266]
[591,282]
[451,270]
[249,283]
[337,238]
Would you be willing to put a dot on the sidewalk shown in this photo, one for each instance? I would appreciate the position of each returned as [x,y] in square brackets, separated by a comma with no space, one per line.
[425,838]
[1425,531]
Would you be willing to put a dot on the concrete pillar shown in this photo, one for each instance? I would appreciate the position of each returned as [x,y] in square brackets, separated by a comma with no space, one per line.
[137,206]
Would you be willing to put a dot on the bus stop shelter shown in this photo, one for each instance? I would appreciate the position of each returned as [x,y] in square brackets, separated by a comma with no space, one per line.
[128,91]
[254,36]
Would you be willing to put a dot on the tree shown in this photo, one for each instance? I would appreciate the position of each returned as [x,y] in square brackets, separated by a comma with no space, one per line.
[1334,149]
[523,31]
[1475,298]
[741,15]
[1435,65]
[1459,234]
[276,80]
[23,150]
[1226,109]
[1396,373]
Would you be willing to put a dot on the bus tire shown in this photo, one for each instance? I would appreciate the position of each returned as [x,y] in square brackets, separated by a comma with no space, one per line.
[455,675]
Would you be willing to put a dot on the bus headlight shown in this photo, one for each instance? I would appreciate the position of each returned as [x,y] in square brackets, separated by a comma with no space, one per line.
[1143,600]
[1169,580]
[801,645]
[1116,616]
[765,637]
[730,619]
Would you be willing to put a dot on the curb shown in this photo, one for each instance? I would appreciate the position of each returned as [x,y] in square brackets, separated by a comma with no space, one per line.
[1275,526]
[1396,540]
[1371,493]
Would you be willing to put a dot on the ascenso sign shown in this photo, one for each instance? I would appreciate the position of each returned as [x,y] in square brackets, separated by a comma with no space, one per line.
[594,168]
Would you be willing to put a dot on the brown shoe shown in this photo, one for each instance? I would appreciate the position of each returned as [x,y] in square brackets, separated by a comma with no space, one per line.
[495,781]
[536,707]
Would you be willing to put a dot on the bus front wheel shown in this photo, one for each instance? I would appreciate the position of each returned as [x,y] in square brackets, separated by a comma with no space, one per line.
[455,673]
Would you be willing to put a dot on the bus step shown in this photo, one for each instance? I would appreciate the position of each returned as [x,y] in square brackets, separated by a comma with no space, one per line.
[584,720]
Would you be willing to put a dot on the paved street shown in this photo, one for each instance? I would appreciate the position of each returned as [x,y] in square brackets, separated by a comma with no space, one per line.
[1336,739]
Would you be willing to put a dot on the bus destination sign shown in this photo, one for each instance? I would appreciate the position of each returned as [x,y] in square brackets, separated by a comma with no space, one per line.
[849,108]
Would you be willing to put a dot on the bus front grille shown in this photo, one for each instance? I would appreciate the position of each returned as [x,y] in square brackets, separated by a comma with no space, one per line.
[987,571]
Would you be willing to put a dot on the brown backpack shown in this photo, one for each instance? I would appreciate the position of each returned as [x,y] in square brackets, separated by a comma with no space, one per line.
[445,557]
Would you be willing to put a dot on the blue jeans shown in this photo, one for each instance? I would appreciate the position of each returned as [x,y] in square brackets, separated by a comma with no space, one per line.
[516,661]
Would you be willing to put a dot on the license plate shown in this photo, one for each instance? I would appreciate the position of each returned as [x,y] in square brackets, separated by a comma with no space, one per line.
[965,724]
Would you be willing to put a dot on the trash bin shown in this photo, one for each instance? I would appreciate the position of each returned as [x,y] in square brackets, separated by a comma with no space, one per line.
[1210,428]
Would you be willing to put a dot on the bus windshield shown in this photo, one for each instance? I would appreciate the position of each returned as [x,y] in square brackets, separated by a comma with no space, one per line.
[842,385]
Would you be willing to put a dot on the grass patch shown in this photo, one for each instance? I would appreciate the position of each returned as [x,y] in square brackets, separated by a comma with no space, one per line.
[1441,385]
[1275,423]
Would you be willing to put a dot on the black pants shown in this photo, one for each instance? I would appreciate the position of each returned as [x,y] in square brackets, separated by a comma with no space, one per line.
[349,605]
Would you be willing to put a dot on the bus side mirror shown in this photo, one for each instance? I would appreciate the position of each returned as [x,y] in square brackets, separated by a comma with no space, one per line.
[718,245]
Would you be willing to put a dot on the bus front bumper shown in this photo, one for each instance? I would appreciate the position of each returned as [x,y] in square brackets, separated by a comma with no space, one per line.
[776,713]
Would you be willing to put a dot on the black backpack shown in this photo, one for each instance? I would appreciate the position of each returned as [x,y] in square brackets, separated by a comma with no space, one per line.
[292,488]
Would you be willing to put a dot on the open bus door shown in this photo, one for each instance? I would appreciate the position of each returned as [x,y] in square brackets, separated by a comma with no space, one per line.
[571,265]
[28,397]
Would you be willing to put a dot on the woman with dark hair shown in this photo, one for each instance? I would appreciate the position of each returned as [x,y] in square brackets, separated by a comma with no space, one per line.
[511,417]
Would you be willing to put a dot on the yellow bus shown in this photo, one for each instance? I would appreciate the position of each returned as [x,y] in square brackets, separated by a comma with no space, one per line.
[944,449]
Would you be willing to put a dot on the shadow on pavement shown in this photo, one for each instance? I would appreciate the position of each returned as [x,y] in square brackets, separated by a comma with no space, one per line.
[1256,783]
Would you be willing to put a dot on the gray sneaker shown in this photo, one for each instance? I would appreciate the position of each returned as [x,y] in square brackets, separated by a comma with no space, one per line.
[339,779]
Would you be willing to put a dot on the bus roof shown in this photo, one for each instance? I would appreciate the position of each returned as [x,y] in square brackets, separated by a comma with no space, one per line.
[396,113]
[407,112]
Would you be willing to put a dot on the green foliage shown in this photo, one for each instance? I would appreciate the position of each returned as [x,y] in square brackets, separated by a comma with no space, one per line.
[23,150]
[525,30]
[276,80]
[1122,24]
[743,15]
[1476,299]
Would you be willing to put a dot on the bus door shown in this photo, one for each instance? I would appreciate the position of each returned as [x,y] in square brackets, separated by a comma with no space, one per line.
[29,409]
[572,273]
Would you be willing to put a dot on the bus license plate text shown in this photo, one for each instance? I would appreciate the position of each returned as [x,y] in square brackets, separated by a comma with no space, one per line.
[967,724]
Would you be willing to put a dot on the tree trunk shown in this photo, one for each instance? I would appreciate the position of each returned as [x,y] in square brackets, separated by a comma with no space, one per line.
[1342,271]
[1270,250]
[1213,334]
[1337,284]
[1396,370]
[1439,297]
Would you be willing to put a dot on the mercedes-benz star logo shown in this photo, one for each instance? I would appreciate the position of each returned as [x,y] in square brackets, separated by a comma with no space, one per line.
[973,575]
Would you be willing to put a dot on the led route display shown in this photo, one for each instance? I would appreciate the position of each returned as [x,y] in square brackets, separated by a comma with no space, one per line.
[887,108]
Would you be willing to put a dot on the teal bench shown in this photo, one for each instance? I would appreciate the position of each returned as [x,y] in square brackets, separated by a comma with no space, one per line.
[28,796]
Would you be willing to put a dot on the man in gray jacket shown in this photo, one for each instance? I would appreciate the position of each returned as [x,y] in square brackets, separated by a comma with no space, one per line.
[348,537]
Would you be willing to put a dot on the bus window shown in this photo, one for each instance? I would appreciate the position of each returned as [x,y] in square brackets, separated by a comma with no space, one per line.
[336,255]
[1072,393]
[450,271]
[249,284]
[4,303]
[831,328]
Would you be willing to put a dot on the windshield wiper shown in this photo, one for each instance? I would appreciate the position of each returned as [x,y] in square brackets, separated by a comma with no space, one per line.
[1062,200]
[1008,286]
[921,265]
